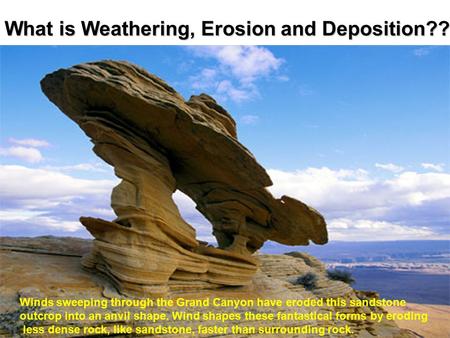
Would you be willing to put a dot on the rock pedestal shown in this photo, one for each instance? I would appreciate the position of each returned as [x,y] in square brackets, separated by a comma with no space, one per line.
[158,143]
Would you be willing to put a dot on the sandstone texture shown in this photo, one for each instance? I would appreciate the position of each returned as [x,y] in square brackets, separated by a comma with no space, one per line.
[28,272]
[157,143]
[438,325]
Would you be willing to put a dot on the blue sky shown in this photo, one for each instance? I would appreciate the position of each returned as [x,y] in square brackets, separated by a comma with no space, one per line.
[360,133]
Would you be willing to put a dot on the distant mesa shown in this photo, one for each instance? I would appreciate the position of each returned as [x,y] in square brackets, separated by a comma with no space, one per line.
[158,143]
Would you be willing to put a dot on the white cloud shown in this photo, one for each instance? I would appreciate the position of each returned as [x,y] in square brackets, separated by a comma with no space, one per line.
[422,51]
[30,142]
[38,218]
[225,89]
[415,188]
[25,149]
[103,212]
[319,186]
[390,167]
[43,201]
[357,205]
[19,182]
[246,63]
[236,71]
[28,154]
[355,190]
[207,78]
[432,166]
[249,119]
[96,167]
[408,200]
[59,224]
[19,215]
[283,78]
[345,229]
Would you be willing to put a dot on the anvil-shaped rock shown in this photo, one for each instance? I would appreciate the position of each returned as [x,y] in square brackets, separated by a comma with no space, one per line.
[158,143]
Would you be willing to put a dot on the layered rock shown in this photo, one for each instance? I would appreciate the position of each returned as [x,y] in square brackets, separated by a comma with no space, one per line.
[28,272]
[158,143]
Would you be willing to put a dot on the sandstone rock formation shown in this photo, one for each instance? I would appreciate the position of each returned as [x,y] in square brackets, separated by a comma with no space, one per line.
[158,143]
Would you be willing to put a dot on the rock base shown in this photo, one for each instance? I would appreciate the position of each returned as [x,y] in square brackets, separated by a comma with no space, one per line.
[50,267]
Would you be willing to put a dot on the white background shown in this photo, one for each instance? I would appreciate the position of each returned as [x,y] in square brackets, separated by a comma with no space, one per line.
[225,12]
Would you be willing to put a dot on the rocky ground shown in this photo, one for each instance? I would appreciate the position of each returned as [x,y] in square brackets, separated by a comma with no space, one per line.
[438,319]
[50,267]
